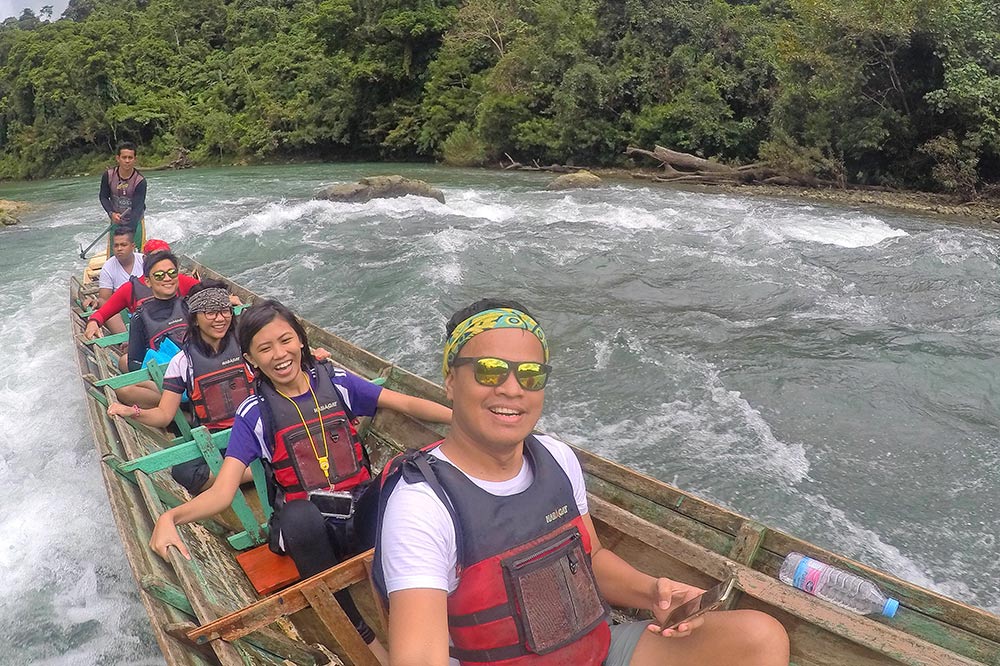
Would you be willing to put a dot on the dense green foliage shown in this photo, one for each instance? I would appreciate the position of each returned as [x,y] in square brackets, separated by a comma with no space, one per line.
[891,92]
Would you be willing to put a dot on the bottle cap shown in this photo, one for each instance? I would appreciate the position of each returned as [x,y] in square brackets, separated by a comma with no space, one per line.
[889,610]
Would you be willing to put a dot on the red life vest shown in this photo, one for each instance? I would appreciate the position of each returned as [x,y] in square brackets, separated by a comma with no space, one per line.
[526,594]
[173,325]
[217,384]
[294,458]
[140,293]
[122,191]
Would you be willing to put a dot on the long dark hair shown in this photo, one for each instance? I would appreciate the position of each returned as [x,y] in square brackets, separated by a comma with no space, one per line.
[193,332]
[262,313]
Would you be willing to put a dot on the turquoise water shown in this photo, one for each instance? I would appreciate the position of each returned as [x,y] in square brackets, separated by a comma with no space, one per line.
[830,371]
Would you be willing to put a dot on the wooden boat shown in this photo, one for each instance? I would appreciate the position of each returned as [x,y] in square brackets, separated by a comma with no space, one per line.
[207,611]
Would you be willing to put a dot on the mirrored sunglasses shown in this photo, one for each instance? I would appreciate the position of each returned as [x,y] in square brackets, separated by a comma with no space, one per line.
[160,276]
[490,371]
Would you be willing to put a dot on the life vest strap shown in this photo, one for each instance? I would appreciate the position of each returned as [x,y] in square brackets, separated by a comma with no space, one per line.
[498,612]
[488,656]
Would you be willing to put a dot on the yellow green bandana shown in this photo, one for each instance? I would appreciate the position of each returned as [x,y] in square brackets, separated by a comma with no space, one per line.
[487,321]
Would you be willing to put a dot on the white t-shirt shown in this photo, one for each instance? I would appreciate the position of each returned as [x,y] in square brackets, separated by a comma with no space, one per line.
[113,275]
[178,367]
[418,538]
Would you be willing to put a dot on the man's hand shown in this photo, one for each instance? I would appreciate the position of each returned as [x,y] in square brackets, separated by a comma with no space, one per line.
[669,595]
[116,218]
[92,331]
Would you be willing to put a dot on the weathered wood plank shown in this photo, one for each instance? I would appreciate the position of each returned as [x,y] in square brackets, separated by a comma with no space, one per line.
[320,597]
[920,624]
[661,493]
[717,540]
[953,621]
[877,636]
[192,582]
[134,525]
[748,541]
[930,603]
[168,593]
[286,602]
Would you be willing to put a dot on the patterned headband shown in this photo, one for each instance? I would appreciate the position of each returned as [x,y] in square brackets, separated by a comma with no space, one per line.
[487,321]
[212,299]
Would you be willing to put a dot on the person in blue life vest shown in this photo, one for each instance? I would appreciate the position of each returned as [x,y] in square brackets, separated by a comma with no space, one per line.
[300,424]
[210,368]
[475,591]
[123,194]
[157,328]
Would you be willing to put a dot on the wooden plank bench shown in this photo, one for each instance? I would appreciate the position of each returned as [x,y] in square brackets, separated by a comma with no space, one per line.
[315,592]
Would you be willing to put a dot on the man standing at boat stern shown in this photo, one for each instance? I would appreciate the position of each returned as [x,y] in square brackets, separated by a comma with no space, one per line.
[123,194]
[486,552]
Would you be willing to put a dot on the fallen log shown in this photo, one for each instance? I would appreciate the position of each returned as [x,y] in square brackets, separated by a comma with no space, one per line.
[681,161]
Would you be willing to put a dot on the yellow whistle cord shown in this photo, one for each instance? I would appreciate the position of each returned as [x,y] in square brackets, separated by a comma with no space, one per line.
[324,461]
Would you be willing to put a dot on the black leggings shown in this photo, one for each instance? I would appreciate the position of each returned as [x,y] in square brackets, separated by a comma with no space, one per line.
[315,544]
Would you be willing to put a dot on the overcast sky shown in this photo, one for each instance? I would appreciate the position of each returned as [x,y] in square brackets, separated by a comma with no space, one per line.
[15,7]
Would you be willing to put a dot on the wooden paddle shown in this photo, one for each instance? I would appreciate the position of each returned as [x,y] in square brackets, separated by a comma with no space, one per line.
[83,252]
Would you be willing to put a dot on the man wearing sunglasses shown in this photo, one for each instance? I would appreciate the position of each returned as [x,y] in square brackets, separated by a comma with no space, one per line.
[486,550]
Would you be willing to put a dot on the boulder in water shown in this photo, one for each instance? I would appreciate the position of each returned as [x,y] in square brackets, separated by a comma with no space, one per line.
[8,212]
[379,187]
[575,180]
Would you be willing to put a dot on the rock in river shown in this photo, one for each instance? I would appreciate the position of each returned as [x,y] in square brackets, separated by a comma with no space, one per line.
[574,180]
[379,187]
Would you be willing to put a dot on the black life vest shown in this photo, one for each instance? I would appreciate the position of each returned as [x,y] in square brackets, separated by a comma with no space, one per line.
[217,384]
[122,192]
[294,461]
[158,327]
[141,293]
[526,593]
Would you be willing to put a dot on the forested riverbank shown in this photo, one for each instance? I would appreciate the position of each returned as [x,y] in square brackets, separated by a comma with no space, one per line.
[898,94]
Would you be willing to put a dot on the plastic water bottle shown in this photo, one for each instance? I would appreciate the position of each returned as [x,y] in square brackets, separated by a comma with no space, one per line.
[835,585]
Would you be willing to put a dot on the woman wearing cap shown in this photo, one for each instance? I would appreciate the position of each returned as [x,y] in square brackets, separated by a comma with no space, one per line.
[210,369]
[478,530]
[133,293]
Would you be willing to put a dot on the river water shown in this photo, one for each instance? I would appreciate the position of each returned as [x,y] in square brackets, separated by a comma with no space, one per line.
[829,371]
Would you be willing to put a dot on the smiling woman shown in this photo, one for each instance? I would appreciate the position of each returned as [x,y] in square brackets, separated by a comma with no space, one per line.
[209,370]
[300,424]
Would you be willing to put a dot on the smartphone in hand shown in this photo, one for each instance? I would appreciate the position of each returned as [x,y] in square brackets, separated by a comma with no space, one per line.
[711,599]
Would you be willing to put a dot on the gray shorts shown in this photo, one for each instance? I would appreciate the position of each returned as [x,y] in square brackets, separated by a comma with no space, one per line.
[624,638]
